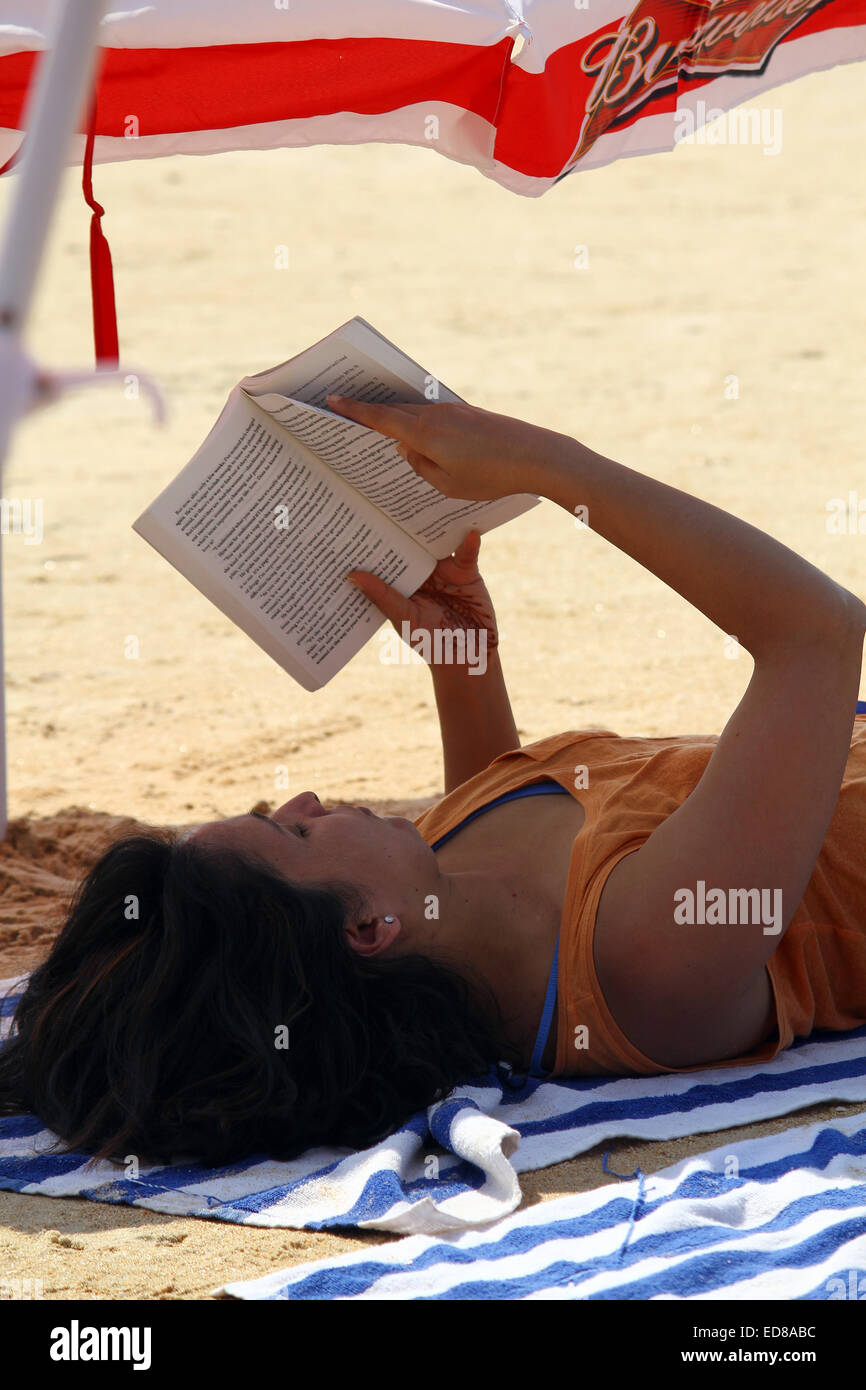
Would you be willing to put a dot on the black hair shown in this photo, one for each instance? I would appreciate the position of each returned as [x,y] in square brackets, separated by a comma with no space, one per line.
[197,1004]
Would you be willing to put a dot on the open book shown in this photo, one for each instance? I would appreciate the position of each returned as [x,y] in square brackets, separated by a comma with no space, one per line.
[285,497]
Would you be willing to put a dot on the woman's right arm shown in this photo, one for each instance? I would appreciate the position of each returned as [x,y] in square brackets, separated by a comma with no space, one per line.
[686,993]
[744,581]
[748,584]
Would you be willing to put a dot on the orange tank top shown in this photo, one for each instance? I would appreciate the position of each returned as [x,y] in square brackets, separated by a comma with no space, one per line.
[627,787]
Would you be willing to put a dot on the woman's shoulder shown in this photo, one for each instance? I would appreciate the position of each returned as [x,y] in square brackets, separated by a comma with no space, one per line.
[586,761]
[512,769]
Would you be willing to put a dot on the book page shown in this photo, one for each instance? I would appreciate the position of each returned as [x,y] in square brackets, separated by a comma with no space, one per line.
[268,533]
[370,462]
[356,360]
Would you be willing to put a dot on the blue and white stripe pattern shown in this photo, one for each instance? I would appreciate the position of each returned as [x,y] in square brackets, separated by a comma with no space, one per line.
[778,1217]
[453,1166]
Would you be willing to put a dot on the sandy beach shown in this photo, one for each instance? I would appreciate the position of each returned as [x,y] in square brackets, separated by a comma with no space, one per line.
[695,315]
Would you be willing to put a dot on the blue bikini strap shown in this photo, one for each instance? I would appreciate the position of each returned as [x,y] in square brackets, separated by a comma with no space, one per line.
[546,1016]
[535,789]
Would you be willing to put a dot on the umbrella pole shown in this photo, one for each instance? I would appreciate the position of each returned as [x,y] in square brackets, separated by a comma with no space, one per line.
[53,111]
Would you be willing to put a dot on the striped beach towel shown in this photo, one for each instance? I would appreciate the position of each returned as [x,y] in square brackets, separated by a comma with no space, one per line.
[453,1166]
[782,1216]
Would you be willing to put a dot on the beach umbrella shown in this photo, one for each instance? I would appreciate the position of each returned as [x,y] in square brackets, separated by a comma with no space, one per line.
[526,91]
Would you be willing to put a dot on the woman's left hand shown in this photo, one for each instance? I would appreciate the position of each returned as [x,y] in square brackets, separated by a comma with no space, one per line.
[454,596]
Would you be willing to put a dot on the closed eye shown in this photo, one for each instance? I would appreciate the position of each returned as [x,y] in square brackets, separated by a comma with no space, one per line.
[300,830]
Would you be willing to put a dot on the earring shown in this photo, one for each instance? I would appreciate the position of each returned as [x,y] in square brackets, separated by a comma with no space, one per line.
[389,919]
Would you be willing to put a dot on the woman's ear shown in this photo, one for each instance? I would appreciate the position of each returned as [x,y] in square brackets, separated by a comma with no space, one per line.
[370,936]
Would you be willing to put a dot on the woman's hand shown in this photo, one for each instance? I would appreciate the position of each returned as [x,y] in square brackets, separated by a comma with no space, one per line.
[455,596]
[460,449]
[475,716]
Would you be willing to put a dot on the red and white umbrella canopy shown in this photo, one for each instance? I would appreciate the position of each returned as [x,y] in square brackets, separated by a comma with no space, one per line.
[526,91]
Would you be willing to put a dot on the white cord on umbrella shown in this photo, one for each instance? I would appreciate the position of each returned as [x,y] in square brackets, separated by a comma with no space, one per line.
[51,385]
[25,386]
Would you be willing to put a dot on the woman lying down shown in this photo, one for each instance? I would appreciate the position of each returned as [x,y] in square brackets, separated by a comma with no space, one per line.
[587,905]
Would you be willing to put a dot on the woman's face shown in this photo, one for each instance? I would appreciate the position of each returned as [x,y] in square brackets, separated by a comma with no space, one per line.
[381,856]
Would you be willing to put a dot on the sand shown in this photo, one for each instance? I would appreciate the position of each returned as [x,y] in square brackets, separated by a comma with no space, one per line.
[714,263]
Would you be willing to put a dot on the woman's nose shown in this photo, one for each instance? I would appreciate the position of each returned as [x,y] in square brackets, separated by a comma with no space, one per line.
[306,804]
